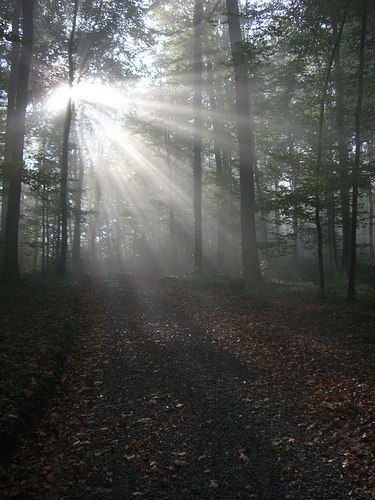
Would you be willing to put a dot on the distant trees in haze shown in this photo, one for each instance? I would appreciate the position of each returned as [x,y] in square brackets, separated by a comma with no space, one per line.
[250,141]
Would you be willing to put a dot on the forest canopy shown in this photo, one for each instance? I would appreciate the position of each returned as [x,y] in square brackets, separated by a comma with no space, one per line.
[213,136]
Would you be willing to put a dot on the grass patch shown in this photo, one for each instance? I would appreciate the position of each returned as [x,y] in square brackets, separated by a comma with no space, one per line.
[38,325]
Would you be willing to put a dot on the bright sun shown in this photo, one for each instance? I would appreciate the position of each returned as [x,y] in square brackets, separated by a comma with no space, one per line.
[88,91]
[58,99]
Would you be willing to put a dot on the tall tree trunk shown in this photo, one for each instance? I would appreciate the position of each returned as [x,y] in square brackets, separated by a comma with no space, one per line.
[343,161]
[259,191]
[65,152]
[220,191]
[250,258]
[11,108]
[357,158]
[172,257]
[197,149]
[277,213]
[371,222]
[11,266]
[294,184]
[44,208]
[64,189]
[319,161]
[334,260]
[76,247]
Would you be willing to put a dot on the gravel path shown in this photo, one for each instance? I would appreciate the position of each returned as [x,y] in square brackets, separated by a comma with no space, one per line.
[153,405]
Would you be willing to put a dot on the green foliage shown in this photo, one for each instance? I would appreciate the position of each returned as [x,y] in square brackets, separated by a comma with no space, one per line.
[365,274]
[286,45]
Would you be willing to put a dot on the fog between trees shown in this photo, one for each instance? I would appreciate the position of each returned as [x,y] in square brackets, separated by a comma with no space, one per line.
[210,136]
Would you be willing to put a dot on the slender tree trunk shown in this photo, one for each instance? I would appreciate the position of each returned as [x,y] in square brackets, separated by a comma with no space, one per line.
[250,258]
[11,265]
[334,261]
[171,189]
[318,172]
[357,159]
[76,247]
[44,208]
[319,161]
[343,162]
[48,239]
[220,191]
[259,192]
[65,152]
[172,218]
[36,235]
[64,189]
[294,185]
[197,150]
[95,227]
[371,223]
[277,213]
[295,235]
[233,214]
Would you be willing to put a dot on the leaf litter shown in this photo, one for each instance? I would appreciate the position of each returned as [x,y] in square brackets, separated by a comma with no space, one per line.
[178,393]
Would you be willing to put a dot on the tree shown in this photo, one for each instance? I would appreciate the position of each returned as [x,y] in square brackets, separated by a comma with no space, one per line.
[342,154]
[250,258]
[11,107]
[76,246]
[357,158]
[319,160]
[220,191]
[16,136]
[197,148]
[65,147]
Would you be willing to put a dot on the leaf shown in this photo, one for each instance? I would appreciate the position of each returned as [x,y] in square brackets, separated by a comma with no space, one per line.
[180,463]
[244,455]
[145,420]
[330,406]
[51,477]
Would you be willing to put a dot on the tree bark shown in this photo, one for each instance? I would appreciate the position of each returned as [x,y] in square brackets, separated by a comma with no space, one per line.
[65,152]
[319,161]
[11,265]
[219,170]
[11,108]
[95,226]
[76,247]
[197,149]
[357,159]
[343,162]
[250,258]
[371,222]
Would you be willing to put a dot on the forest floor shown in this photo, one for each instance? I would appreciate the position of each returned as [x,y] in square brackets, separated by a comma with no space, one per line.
[179,392]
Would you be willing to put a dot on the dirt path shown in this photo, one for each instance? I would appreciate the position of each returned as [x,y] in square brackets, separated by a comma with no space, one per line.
[176,393]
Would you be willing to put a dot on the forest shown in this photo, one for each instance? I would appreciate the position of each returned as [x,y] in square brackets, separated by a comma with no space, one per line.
[187,260]
[225,139]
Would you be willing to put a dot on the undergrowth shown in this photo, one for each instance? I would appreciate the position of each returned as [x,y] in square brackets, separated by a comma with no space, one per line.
[332,313]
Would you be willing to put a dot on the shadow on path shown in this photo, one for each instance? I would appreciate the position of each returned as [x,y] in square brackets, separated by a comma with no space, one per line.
[187,424]
[151,405]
